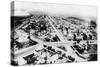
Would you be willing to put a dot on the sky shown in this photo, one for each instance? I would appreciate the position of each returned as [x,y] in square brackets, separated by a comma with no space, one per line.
[24,8]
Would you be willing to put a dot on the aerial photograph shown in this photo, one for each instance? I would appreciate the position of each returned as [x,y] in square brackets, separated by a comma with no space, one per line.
[48,33]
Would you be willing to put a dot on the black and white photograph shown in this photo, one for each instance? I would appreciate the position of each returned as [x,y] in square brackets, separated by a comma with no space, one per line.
[49,33]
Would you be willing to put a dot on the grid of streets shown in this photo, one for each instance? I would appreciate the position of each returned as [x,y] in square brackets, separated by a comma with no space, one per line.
[44,39]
